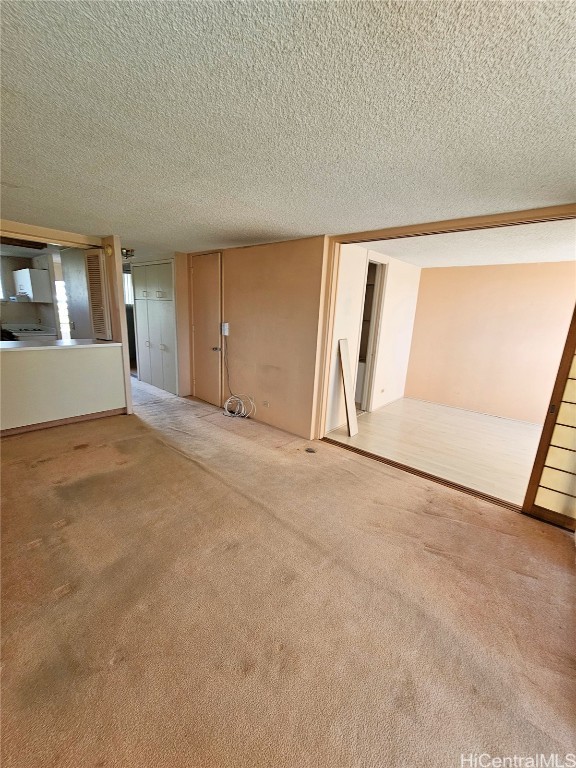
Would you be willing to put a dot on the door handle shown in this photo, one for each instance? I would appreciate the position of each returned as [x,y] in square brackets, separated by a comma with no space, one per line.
[147,343]
[159,294]
[162,346]
[144,293]
[216,349]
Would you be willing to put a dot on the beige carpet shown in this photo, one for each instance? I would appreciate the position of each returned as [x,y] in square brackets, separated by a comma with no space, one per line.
[183,589]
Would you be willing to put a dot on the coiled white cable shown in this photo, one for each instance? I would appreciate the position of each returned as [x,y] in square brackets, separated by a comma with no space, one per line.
[237,404]
[240,405]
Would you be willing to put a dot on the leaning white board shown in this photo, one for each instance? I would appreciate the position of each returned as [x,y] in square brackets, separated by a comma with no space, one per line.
[348,387]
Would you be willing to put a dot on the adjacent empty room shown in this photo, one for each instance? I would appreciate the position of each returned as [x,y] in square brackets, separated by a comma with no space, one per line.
[455,341]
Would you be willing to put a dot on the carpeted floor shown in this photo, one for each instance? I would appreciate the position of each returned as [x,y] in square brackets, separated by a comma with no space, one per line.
[183,589]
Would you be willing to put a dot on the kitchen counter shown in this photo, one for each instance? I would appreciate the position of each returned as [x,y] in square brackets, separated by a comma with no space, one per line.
[51,343]
[52,381]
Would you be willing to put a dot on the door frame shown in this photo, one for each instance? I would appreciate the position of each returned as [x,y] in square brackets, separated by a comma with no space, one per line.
[489,221]
[374,333]
[190,270]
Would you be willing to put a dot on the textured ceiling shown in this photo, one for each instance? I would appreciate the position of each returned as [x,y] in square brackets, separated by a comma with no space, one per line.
[195,125]
[522,244]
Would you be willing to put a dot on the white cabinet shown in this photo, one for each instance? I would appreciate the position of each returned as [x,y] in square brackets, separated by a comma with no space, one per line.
[139,282]
[155,325]
[156,343]
[153,281]
[35,283]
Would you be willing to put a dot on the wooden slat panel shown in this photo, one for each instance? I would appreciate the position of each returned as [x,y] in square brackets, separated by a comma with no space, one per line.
[570,391]
[99,307]
[567,415]
[561,459]
[565,437]
[564,482]
[557,502]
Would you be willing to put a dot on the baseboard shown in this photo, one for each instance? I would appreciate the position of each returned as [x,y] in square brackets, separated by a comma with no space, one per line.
[60,422]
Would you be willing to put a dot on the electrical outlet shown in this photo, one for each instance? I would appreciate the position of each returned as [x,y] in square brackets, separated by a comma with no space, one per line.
[266,404]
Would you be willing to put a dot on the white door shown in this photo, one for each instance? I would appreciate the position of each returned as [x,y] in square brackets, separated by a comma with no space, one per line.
[139,282]
[155,336]
[164,281]
[168,332]
[142,340]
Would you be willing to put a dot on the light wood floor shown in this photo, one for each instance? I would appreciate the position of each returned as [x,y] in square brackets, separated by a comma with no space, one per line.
[486,453]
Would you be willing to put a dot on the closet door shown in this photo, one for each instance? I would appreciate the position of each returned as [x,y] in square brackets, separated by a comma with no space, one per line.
[168,346]
[551,491]
[142,340]
[155,331]
[139,282]
[163,289]
[159,282]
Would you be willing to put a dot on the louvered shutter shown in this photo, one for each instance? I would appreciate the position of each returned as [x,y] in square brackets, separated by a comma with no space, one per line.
[551,493]
[98,294]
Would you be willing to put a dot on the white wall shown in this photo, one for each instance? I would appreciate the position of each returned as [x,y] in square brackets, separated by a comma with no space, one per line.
[394,333]
[351,284]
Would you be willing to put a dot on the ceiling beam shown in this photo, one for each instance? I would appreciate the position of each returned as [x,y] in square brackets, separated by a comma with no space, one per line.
[20,231]
[489,221]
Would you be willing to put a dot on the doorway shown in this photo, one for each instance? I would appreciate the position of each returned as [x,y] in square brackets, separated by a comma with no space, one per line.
[205,276]
[471,333]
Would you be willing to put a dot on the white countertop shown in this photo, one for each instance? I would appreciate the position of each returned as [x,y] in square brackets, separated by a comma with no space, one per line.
[55,344]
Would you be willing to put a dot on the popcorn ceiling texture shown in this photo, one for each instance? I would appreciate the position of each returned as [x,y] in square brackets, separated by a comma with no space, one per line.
[197,125]
[524,244]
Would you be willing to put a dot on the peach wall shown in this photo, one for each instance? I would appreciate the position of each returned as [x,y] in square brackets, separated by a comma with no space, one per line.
[489,339]
[272,299]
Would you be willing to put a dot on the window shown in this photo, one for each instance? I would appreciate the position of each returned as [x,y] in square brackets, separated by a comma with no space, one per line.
[62,303]
[128,288]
